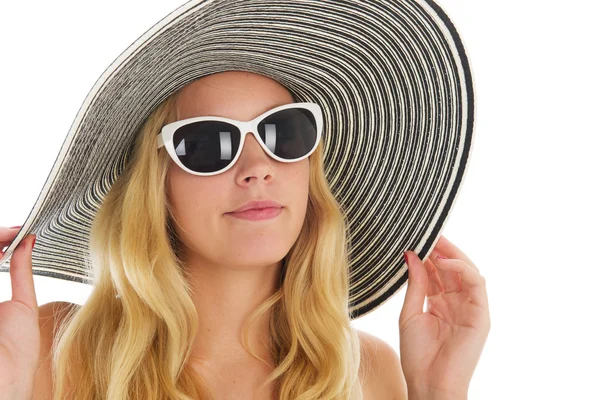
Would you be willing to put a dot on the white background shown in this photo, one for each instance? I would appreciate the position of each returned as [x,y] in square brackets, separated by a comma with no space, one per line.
[527,213]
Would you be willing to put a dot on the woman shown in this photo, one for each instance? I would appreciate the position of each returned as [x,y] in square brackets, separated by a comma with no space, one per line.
[233,268]
[192,301]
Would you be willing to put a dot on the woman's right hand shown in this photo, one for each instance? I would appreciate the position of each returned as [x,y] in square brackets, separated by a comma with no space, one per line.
[19,322]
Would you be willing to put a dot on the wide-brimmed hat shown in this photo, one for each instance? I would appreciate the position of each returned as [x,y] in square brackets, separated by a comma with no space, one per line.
[394,85]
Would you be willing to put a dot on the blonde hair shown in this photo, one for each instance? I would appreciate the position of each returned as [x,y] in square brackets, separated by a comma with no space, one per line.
[137,345]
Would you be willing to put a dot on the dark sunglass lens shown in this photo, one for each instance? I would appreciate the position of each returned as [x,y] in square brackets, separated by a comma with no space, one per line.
[206,146]
[289,133]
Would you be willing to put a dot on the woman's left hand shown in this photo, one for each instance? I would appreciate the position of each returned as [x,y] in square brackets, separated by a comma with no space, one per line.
[440,348]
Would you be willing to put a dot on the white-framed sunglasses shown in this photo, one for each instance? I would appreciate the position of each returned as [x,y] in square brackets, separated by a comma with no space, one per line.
[210,145]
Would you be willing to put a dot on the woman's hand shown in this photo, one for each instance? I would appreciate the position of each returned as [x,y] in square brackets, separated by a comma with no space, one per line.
[440,348]
[19,323]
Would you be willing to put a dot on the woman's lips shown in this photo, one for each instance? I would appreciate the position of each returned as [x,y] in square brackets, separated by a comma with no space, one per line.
[258,214]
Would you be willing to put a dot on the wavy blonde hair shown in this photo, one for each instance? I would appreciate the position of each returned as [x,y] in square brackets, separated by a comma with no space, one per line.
[137,345]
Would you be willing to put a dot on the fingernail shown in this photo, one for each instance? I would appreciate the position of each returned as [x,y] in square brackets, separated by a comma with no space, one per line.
[14,227]
[406,257]
[33,242]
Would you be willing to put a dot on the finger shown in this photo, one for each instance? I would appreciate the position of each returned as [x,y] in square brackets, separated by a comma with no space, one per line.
[435,286]
[470,277]
[21,275]
[447,249]
[450,280]
[7,235]
[418,281]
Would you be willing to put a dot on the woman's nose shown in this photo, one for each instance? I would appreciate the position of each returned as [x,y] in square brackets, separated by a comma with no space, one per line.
[251,147]
[254,162]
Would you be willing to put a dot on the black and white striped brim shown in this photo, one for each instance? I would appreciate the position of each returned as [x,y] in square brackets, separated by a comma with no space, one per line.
[393,81]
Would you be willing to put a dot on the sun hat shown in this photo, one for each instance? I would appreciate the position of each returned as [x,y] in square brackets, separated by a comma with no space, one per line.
[392,79]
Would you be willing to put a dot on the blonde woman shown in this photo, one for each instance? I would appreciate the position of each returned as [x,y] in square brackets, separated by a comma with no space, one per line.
[221,271]
[233,264]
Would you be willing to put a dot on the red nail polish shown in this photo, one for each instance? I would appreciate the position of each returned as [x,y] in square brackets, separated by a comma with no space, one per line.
[13,227]
[33,243]
[406,257]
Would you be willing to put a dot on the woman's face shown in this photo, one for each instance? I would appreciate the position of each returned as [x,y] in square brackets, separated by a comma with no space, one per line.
[200,203]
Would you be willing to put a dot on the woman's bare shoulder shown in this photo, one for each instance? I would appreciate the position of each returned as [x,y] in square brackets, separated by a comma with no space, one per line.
[51,315]
[381,368]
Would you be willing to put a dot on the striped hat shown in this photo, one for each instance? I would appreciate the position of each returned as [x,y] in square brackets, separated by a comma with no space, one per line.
[392,80]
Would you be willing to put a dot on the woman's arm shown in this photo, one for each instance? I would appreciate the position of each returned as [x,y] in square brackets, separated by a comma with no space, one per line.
[384,376]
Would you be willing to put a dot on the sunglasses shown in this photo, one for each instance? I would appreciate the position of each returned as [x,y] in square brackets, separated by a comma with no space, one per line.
[209,145]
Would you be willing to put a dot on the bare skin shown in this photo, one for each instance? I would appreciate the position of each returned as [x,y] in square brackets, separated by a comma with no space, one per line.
[235,263]
[19,329]
[228,281]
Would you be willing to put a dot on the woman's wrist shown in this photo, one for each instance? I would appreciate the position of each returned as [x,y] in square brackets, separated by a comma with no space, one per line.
[424,392]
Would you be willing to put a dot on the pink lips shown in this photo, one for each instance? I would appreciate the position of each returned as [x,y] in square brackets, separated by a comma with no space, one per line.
[257,214]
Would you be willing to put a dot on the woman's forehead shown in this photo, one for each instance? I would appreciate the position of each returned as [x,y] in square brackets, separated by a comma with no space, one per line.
[241,97]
